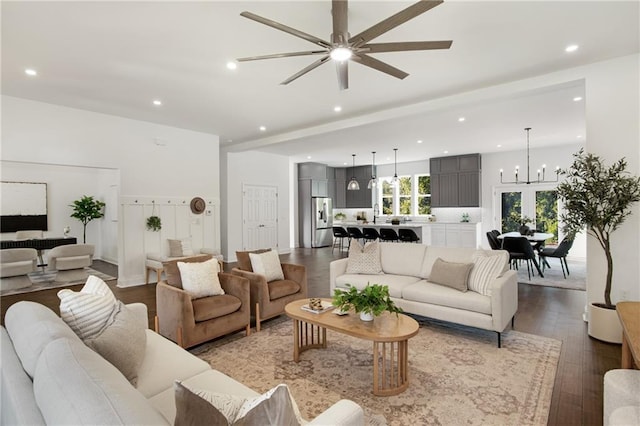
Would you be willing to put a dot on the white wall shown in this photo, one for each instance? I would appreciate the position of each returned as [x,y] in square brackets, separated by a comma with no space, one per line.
[254,168]
[153,160]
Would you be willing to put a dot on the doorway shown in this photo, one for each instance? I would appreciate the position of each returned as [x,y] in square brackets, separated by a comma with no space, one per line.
[259,217]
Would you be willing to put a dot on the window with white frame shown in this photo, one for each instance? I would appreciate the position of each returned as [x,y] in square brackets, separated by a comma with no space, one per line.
[412,196]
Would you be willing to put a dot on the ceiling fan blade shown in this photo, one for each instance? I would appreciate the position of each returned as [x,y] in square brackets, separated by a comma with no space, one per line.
[392,22]
[379,65]
[306,69]
[282,55]
[286,29]
[340,22]
[342,69]
[405,45]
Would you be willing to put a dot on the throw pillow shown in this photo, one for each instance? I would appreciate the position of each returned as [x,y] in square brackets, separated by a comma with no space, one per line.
[364,260]
[267,264]
[180,248]
[88,311]
[173,273]
[275,407]
[200,279]
[487,268]
[451,274]
[122,342]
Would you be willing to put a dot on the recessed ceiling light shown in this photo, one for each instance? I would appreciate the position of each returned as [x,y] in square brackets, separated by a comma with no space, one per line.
[337,108]
[571,48]
[499,146]
[31,72]
[577,99]
[345,163]
[446,152]
[579,136]
[461,119]
[157,102]
[419,141]
[308,157]
[232,65]
[262,128]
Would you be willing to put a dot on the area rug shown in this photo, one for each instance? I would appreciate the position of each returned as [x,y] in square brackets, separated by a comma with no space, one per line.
[458,375]
[576,280]
[40,280]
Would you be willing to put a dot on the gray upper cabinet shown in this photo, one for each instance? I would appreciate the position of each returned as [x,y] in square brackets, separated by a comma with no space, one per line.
[455,181]
[332,182]
[362,197]
[316,173]
[340,200]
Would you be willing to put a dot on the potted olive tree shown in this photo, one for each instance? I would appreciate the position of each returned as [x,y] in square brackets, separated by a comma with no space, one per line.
[85,210]
[369,302]
[599,198]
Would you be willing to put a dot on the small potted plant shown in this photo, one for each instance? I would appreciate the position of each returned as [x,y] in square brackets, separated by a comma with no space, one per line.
[369,302]
[340,216]
[154,223]
[599,198]
[522,220]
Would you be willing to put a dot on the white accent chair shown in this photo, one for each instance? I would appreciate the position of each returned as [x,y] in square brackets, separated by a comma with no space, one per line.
[18,261]
[29,235]
[71,256]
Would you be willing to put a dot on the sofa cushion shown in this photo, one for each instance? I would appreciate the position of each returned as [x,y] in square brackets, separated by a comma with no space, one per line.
[74,385]
[451,274]
[244,262]
[364,260]
[267,264]
[486,268]
[73,262]
[200,279]
[87,311]
[282,288]
[402,259]
[172,271]
[211,307]
[163,363]
[450,254]
[32,327]
[122,342]
[274,407]
[395,282]
[427,292]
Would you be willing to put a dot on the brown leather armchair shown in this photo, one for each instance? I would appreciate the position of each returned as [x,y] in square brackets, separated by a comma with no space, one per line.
[268,299]
[188,321]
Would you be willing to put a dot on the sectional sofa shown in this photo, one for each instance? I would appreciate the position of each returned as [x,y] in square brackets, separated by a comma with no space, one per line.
[406,269]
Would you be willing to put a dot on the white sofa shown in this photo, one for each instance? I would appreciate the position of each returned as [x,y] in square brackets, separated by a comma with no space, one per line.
[406,269]
[49,376]
[621,397]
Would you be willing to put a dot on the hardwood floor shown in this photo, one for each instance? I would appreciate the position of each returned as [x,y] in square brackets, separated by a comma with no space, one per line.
[545,311]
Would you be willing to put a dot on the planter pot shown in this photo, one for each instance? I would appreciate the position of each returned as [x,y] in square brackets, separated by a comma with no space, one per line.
[366,316]
[604,324]
[524,230]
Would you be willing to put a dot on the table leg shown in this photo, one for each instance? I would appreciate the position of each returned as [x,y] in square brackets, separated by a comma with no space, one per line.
[627,357]
[390,367]
[307,336]
[296,340]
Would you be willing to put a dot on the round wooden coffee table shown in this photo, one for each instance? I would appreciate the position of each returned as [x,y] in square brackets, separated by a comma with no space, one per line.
[389,333]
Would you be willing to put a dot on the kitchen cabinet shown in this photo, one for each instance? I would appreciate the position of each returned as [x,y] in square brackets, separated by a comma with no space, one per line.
[316,174]
[455,181]
[455,235]
[362,197]
[340,200]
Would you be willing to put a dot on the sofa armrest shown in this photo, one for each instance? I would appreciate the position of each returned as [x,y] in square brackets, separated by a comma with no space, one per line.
[504,299]
[336,268]
[140,311]
[259,291]
[175,310]
[343,413]
[237,286]
[297,273]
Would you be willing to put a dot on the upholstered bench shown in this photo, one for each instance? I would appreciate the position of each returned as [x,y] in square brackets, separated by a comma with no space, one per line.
[154,261]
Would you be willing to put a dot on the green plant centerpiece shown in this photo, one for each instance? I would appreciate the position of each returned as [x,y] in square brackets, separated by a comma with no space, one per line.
[85,210]
[598,198]
[154,223]
[340,216]
[371,301]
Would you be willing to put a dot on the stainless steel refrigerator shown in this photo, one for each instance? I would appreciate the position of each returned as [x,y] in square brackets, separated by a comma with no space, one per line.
[316,221]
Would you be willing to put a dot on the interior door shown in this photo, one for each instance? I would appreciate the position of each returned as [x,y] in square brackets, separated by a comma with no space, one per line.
[260,217]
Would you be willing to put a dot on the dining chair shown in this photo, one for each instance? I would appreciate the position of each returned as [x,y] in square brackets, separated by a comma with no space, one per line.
[388,234]
[339,234]
[560,252]
[494,242]
[520,248]
[370,234]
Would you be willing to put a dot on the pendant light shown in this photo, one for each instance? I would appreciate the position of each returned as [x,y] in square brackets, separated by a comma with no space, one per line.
[395,181]
[353,184]
[373,181]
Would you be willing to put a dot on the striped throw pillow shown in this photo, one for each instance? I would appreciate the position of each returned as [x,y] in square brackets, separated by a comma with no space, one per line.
[87,312]
[486,268]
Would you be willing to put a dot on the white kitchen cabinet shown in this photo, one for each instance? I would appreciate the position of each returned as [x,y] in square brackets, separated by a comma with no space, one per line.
[455,235]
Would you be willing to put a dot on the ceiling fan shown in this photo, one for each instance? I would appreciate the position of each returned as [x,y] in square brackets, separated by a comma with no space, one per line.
[343,48]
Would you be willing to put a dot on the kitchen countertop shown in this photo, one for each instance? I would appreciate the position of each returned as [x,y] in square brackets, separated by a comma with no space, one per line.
[402,224]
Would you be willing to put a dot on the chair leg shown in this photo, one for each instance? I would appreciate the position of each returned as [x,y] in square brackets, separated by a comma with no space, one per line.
[248,330]
[566,264]
[562,266]
[257,317]
[499,339]
[156,324]
[159,274]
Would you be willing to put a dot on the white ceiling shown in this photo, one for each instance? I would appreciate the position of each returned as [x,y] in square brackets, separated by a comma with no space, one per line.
[116,57]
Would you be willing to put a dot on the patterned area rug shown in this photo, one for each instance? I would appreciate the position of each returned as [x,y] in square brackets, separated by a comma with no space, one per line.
[39,280]
[576,280]
[458,376]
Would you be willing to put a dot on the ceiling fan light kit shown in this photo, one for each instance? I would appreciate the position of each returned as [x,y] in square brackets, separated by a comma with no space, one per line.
[540,172]
[353,184]
[343,48]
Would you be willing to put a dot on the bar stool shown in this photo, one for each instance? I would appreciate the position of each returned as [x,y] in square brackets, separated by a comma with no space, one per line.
[370,234]
[339,234]
[408,235]
[354,233]
[388,234]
